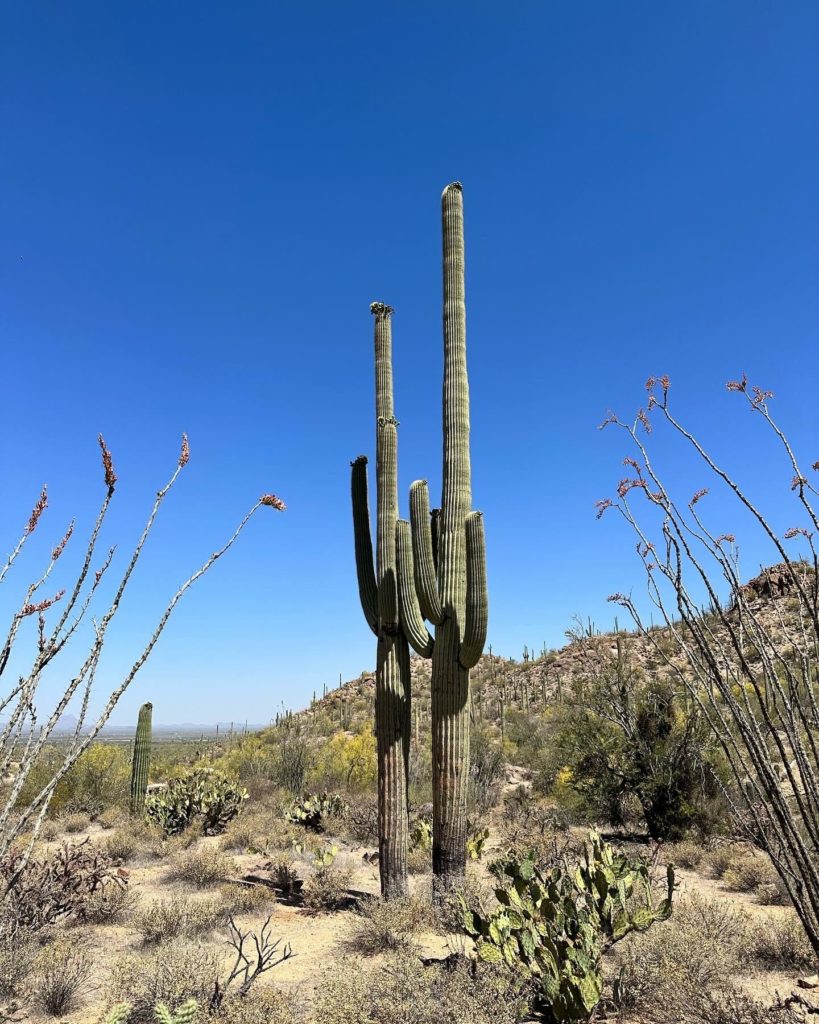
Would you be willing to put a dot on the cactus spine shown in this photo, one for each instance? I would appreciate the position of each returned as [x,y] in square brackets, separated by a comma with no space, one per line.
[142,759]
[378,590]
[442,559]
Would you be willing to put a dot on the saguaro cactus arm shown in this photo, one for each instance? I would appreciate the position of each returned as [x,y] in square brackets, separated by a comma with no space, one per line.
[387,462]
[477,601]
[411,619]
[367,589]
[423,552]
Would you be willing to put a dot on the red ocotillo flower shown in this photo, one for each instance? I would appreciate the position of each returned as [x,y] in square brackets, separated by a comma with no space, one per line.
[37,511]
[107,464]
[273,502]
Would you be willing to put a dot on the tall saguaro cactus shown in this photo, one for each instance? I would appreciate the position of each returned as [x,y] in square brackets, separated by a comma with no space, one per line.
[378,589]
[142,759]
[442,559]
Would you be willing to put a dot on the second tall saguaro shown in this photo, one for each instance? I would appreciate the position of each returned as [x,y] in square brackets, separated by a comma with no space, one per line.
[446,569]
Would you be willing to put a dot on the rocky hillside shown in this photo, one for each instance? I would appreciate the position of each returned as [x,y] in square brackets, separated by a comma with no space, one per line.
[532,682]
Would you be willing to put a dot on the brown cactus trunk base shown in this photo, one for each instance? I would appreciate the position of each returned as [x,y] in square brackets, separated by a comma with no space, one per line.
[450,760]
[392,732]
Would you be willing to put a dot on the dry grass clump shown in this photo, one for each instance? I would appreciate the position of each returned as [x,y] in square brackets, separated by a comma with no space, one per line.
[245,899]
[122,844]
[73,823]
[62,971]
[704,942]
[49,831]
[403,991]
[250,831]
[171,974]
[179,917]
[203,867]
[725,1005]
[327,888]
[685,854]
[259,1006]
[419,861]
[110,904]
[383,926]
[17,957]
[782,943]
[112,817]
[747,872]
[720,858]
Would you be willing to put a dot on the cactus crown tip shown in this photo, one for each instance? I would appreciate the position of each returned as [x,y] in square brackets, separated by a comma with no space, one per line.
[453,186]
[381,309]
[359,460]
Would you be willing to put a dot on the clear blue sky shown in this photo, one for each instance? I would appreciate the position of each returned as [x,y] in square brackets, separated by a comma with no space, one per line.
[200,200]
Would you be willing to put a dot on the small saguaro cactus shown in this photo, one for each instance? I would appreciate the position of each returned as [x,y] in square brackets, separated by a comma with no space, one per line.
[142,759]
[442,562]
[378,590]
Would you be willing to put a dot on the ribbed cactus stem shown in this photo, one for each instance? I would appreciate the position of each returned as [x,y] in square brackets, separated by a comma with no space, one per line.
[142,759]
[452,539]
[378,588]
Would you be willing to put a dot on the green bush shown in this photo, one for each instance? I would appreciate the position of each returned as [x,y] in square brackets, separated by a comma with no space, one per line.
[202,793]
[624,743]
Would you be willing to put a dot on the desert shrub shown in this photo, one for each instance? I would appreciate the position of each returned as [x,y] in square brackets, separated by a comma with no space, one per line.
[623,736]
[109,904]
[473,894]
[347,761]
[201,793]
[17,958]
[706,942]
[486,771]
[685,854]
[244,899]
[285,878]
[360,822]
[403,991]
[248,760]
[720,858]
[291,764]
[49,831]
[73,823]
[527,826]
[783,944]
[121,844]
[203,867]
[383,926]
[57,885]
[265,1006]
[62,971]
[112,817]
[171,974]
[419,860]
[725,1004]
[99,779]
[179,917]
[748,872]
[327,888]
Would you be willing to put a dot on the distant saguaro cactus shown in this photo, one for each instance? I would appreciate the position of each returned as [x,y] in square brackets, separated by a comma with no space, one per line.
[142,759]
[442,563]
[378,590]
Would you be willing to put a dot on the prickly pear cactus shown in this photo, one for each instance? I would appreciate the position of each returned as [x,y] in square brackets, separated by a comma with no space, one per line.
[186,1014]
[555,925]
[201,793]
[313,808]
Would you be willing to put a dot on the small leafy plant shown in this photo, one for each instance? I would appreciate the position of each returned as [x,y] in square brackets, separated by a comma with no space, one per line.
[476,842]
